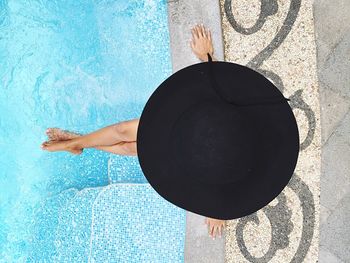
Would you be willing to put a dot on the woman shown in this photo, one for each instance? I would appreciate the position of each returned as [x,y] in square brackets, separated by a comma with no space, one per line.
[120,138]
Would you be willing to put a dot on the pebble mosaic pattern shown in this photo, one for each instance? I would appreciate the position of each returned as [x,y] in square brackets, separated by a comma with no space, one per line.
[276,38]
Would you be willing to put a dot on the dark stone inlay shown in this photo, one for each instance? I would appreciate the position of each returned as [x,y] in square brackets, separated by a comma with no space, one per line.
[280,215]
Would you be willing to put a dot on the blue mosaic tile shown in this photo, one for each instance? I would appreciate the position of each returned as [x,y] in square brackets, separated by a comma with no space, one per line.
[73,231]
[80,55]
[42,248]
[133,223]
[116,223]
[125,169]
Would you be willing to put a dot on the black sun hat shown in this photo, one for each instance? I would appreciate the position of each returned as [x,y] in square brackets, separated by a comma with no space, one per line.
[218,139]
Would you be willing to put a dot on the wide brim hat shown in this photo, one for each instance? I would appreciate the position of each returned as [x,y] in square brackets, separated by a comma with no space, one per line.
[218,139]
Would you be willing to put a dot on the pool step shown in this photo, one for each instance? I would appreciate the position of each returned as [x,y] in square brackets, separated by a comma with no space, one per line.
[124,222]
[46,221]
[73,231]
[132,223]
[125,169]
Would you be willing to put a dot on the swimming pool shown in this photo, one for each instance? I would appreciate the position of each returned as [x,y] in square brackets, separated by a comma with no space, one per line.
[78,65]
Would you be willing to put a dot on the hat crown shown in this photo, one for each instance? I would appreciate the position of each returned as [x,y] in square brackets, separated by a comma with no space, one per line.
[207,140]
[213,143]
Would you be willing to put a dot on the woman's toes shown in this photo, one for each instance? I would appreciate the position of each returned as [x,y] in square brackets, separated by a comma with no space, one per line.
[44,145]
[50,132]
[51,145]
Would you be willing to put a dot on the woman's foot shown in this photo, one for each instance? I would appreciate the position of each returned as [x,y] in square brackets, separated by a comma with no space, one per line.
[59,140]
[201,42]
[57,146]
[215,226]
[57,134]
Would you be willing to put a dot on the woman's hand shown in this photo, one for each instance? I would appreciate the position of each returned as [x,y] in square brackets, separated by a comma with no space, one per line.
[215,226]
[201,42]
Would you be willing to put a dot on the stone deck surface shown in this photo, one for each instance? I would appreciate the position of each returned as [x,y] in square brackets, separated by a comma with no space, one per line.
[303,47]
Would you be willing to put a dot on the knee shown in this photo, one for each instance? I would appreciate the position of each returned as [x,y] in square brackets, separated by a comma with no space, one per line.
[121,128]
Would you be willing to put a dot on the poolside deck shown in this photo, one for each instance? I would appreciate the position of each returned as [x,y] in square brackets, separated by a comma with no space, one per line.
[292,45]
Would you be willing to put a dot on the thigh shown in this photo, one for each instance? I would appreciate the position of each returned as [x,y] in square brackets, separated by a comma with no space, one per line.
[122,148]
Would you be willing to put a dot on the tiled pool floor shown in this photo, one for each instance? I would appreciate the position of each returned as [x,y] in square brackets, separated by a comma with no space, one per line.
[121,222]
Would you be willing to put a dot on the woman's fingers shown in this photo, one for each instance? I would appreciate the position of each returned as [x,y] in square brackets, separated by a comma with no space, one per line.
[194,34]
[215,226]
[216,231]
[199,31]
[212,230]
[220,231]
[205,33]
[196,31]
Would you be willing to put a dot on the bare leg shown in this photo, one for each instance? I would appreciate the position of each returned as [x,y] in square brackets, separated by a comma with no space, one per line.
[125,131]
[122,148]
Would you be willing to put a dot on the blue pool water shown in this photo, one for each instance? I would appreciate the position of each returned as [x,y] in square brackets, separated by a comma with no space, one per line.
[80,65]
